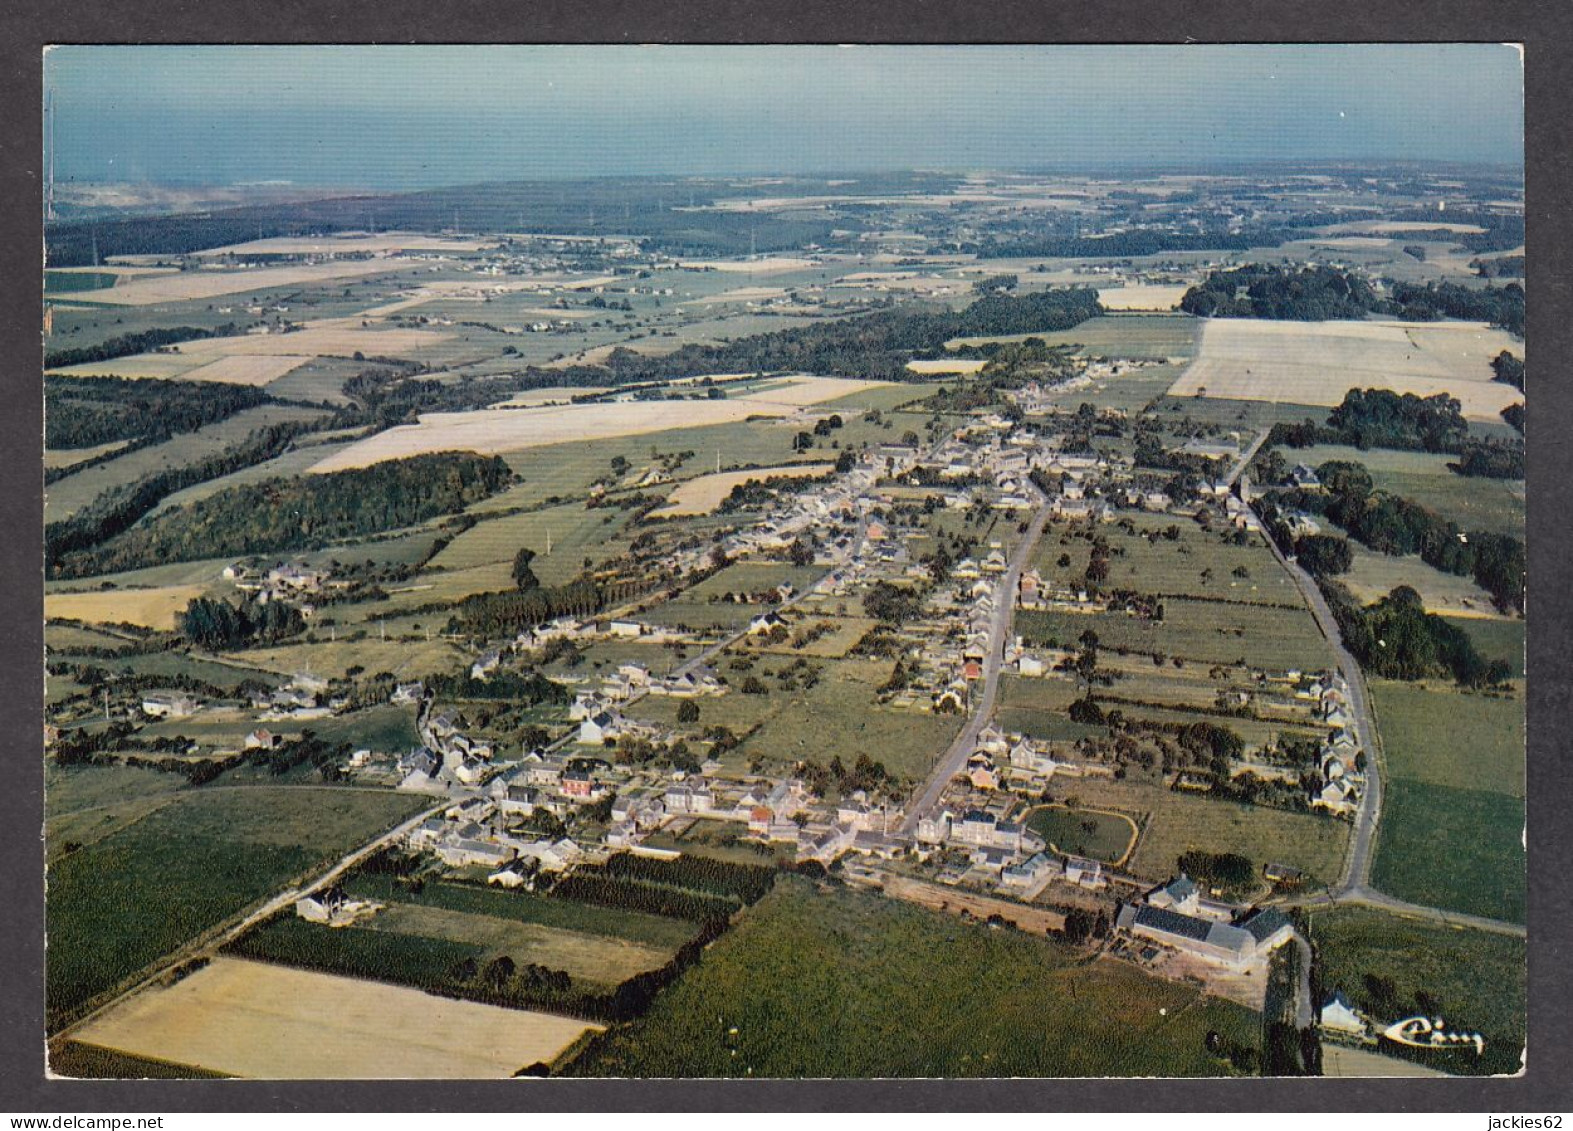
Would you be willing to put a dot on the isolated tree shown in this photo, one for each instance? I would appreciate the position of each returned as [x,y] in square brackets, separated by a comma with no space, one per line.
[523,576]
[688,712]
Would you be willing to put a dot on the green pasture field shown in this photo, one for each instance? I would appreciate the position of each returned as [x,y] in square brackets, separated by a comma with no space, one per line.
[1496,639]
[358,952]
[1477,978]
[1160,566]
[73,282]
[295,462]
[118,904]
[331,658]
[654,931]
[1272,639]
[1473,503]
[1373,576]
[1246,416]
[83,804]
[575,531]
[1108,839]
[65,497]
[227,677]
[835,983]
[1453,818]
[601,961]
[1177,822]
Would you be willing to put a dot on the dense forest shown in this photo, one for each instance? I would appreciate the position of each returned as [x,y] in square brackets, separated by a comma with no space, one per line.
[293,514]
[1397,639]
[1317,294]
[83,412]
[219,626]
[116,510]
[1309,294]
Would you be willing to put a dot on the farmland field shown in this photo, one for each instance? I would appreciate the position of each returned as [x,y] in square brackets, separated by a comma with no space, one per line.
[1181,822]
[1158,336]
[1318,362]
[187,866]
[1141,296]
[271,1022]
[1476,978]
[151,608]
[815,983]
[1472,502]
[1453,822]
[491,431]
[189,286]
[1265,637]
[247,369]
[704,494]
[1373,576]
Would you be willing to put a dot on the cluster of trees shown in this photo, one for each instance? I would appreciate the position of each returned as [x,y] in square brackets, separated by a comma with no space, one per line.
[1381,418]
[116,510]
[865,774]
[501,614]
[309,747]
[292,514]
[217,625]
[1492,460]
[1509,369]
[1309,294]
[1501,306]
[891,603]
[514,687]
[1396,638]
[83,412]
[143,341]
[1227,871]
[746,883]
[1397,526]
[590,885]
[1317,294]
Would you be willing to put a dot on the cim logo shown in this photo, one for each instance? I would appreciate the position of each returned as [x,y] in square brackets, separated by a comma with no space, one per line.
[1431,1033]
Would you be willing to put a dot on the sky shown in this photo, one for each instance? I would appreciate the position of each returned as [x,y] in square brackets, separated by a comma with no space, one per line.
[403,117]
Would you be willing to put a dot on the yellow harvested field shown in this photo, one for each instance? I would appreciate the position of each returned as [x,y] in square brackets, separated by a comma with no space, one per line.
[266,1022]
[947,365]
[190,286]
[142,365]
[1141,296]
[246,369]
[1316,363]
[151,608]
[493,431]
[335,337]
[703,495]
[121,270]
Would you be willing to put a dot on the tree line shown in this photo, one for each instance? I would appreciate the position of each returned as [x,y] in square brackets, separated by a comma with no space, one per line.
[291,514]
[142,341]
[84,412]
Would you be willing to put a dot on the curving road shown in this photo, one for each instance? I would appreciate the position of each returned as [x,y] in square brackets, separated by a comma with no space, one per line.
[951,762]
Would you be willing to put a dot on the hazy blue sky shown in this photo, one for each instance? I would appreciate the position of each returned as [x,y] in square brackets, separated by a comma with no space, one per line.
[403,117]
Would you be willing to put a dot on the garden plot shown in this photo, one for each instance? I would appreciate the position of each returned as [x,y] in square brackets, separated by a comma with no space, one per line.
[1316,363]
